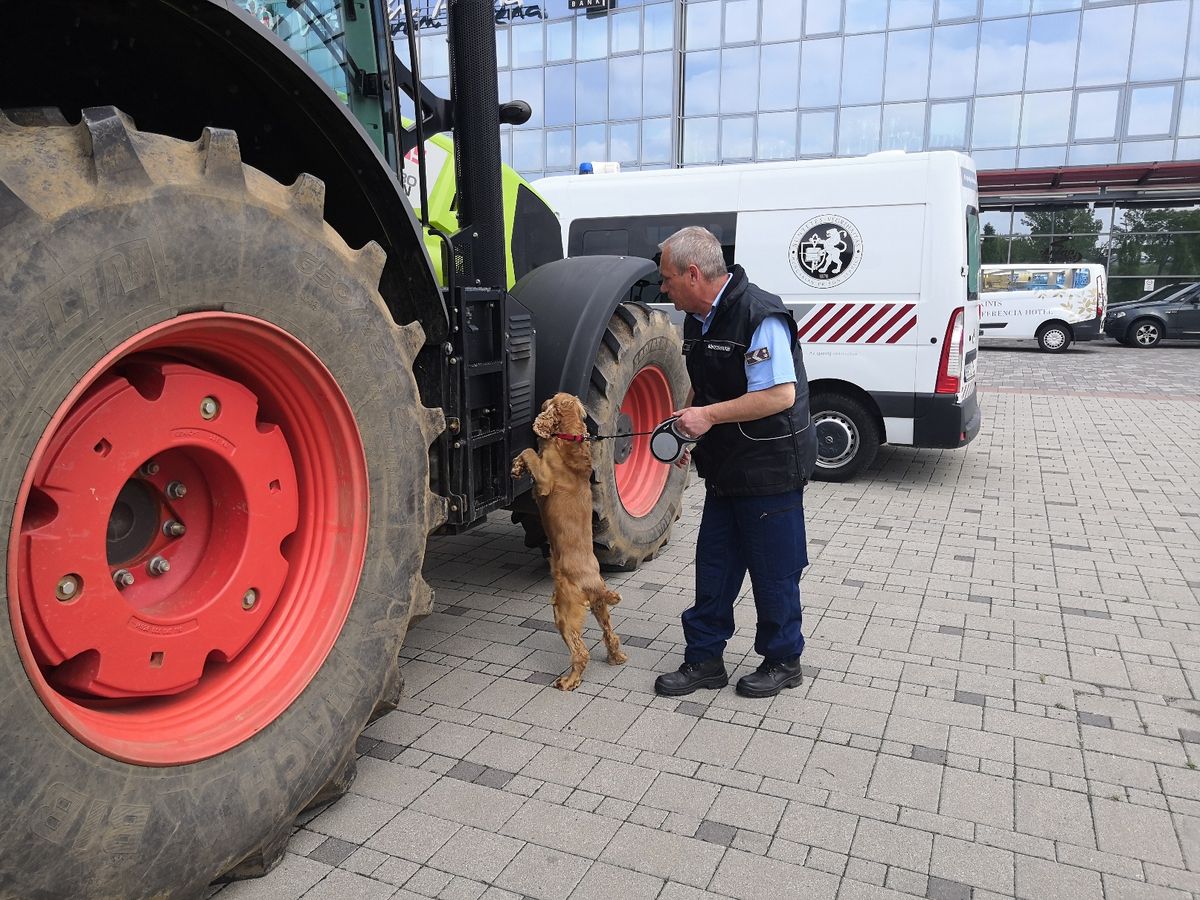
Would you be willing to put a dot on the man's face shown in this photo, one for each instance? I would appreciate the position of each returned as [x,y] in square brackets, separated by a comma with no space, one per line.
[681,288]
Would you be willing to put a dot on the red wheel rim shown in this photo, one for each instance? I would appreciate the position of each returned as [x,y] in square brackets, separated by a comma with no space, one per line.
[641,478]
[242,577]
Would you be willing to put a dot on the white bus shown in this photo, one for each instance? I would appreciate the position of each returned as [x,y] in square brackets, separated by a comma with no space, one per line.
[877,258]
[1054,305]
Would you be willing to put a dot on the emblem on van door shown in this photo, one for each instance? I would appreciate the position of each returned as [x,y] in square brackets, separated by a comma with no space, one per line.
[826,251]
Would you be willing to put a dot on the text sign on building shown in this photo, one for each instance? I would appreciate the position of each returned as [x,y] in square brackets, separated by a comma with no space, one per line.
[433,14]
[587,4]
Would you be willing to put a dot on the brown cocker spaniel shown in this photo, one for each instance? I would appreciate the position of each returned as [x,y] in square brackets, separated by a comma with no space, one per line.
[561,471]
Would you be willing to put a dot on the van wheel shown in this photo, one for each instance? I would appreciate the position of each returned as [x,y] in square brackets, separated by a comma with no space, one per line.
[1145,333]
[848,436]
[1054,337]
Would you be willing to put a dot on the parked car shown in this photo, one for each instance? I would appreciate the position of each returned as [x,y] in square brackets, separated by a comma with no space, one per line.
[1172,311]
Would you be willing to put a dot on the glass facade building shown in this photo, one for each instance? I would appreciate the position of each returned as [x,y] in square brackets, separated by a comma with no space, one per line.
[1015,83]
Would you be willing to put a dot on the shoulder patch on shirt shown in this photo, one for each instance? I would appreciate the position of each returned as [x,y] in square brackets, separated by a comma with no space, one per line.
[762,354]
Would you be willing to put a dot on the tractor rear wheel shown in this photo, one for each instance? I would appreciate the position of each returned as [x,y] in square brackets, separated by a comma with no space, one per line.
[213,555]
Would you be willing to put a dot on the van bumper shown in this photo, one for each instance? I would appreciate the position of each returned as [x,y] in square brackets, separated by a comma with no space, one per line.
[1087,331]
[942,421]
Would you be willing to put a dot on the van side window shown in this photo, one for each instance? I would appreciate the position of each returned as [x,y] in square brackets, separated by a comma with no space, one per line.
[606,242]
[1082,278]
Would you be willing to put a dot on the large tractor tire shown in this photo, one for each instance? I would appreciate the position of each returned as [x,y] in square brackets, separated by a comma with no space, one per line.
[213,472]
[638,380]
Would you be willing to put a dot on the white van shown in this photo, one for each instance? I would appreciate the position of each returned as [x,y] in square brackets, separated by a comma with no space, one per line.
[877,258]
[1052,304]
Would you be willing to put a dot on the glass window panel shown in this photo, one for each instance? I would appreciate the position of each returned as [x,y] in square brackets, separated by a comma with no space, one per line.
[701,82]
[627,31]
[702,26]
[996,121]
[591,37]
[527,45]
[1150,110]
[994,9]
[1146,151]
[699,141]
[993,250]
[907,65]
[434,54]
[1168,254]
[503,86]
[739,79]
[820,66]
[1092,154]
[1104,45]
[1001,55]
[560,149]
[862,69]
[1041,157]
[625,87]
[822,17]
[1052,43]
[1148,217]
[780,20]
[658,74]
[777,135]
[1158,41]
[780,68]
[506,149]
[865,15]
[903,126]
[591,91]
[656,141]
[995,221]
[1189,110]
[858,131]
[816,133]
[737,138]
[1054,5]
[591,142]
[994,159]
[1046,118]
[952,72]
[1188,149]
[741,21]
[1193,59]
[501,47]
[658,27]
[908,13]
[948,126]
[623,142]
[957,9]
[560,95]
[556,9]
[560,41]
[527,150]
[527,86]
[1096,115]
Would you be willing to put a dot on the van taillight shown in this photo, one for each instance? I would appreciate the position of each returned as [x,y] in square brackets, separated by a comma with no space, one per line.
[951,369]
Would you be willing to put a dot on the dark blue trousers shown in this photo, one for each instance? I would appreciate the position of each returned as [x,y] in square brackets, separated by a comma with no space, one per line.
[762,535]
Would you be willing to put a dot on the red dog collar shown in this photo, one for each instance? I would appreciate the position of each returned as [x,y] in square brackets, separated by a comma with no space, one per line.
[573,438]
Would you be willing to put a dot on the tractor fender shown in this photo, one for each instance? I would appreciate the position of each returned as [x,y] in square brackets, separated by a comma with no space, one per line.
[572,301]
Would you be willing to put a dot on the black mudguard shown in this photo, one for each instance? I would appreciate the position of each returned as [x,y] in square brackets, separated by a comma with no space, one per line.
[572,301]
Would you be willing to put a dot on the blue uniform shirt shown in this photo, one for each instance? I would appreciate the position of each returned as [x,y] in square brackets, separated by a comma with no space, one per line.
[776,366]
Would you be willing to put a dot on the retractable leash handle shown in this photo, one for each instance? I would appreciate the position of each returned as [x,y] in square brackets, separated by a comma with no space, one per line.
[667,445]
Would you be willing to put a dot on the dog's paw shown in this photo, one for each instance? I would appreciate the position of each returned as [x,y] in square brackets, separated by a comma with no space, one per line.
[568,682]
[617,658]
[519,468]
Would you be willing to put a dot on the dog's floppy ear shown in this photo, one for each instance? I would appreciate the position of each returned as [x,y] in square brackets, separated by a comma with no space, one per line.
[546,424]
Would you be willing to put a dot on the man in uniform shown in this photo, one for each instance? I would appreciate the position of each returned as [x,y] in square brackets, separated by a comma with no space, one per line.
[748,411]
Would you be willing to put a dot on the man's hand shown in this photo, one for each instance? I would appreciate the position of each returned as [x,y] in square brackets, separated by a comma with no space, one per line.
[693,422]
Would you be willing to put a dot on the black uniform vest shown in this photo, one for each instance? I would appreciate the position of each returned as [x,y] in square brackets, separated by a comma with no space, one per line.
[766,456]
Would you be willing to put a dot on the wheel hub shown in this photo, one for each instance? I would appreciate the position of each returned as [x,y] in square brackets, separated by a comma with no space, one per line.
[1146,334]
[640,477]
[1054,339]
[155,606]
[837,439]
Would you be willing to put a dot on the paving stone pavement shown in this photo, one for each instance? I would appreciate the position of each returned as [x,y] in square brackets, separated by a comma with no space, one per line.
[1003,666]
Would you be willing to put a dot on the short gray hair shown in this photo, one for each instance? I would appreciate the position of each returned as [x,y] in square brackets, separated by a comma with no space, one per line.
[699,247]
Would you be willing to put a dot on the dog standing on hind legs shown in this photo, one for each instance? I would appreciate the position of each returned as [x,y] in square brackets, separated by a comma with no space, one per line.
[561,470]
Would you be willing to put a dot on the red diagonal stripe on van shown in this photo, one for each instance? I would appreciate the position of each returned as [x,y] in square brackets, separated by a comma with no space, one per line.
[903,330]
[880,313]
[900,314]
[832,320]
[812,320]
[863,309]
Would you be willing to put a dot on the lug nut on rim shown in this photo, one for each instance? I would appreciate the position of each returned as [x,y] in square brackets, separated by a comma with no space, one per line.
[174,529]
[149,467]
[68,587]
[122,578]
[176,490]
[249,599]
[158,566]
[209,407]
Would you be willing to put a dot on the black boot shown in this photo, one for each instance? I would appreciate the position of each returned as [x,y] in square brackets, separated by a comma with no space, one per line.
[708,674]
[770,678]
